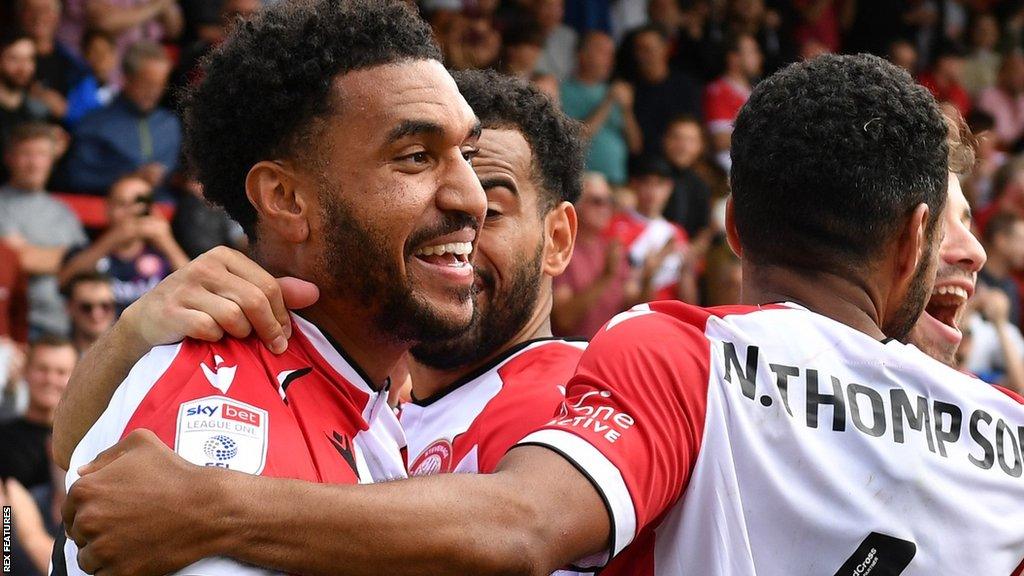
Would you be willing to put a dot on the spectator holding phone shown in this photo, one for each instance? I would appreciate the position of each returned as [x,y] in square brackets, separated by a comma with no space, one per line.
[136,251]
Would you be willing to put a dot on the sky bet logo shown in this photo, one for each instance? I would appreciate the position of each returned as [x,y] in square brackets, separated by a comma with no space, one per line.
[227,412]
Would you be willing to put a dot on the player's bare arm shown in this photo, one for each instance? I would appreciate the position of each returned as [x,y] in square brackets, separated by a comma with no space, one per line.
[535,514]
[221,292]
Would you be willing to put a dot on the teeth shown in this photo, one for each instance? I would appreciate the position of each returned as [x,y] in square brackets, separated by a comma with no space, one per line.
[951,291]
[457,248]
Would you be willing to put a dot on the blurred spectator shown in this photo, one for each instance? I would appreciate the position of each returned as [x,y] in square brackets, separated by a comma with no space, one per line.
[549,85]
[127,21]
[996,349]
[521,51]
[606,110]
[558,57]
[752,17]
[131,135]
[724,97]
[13,298]
[199,226]
[31,543]
[137,251]
[189,72]
[876,24]
[982,64]
[903,54]
[17,70]
[595,285]
[654,245]
[25,451]
[944,79]
[96,88]
[660,92]
[978,183]
[921,25]
[470,42]
[690,203]
[1004,244]
[626,15]
[91,307]
[56,67]
[1005,100]
[1007,194]
[37,226]
[823,21]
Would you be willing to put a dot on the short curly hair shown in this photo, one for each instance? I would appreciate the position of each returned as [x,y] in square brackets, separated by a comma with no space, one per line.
[829,157]
[503,101]
[264,89]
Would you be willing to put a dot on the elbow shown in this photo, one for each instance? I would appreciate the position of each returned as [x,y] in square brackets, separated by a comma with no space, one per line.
[520,544]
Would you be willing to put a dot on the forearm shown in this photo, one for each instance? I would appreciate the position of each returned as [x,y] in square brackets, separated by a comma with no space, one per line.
[450,524]
[37,260]
[86,259]
[106,18]
[592,124]
[631,130]
[92,384]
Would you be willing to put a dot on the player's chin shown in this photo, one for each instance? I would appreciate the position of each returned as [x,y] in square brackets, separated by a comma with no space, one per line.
[451,308]
[937,337]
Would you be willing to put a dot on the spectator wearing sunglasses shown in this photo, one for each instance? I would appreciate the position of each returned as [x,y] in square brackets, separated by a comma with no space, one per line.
[137,250]
[91,307]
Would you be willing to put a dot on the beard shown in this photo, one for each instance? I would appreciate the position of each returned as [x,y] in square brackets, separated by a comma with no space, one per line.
[900,325]
[503,317]
[356,266]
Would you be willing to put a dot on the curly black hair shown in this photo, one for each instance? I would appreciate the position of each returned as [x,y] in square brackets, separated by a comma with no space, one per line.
[265,87]
[503,101]
[829,157]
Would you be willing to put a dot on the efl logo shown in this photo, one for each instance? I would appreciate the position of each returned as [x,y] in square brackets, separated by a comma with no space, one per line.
[240,415]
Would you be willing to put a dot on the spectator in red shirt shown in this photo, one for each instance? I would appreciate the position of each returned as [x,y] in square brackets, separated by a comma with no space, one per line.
[724,97]
[13,297]
[944,80]
[1005,100]
[823,21]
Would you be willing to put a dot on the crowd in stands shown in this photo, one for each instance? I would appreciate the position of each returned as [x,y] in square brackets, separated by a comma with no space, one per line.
[97,205]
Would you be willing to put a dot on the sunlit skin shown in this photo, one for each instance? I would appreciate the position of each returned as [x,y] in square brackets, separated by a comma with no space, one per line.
[46,373]
[513,233]
[937,332]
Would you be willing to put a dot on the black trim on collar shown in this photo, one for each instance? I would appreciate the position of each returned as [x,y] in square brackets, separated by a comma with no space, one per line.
[486,367]
[344,356]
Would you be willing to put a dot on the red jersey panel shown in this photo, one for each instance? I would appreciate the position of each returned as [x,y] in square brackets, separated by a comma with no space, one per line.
[471,426]
[774,441]
[307,414]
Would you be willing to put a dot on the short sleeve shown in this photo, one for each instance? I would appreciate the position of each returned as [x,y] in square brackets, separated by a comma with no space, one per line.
[634,416]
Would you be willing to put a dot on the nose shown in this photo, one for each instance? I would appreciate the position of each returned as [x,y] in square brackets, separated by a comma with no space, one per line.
[961,248]
[460,189]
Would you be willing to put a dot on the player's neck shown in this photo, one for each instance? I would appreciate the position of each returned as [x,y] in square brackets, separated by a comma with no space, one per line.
[427,381]
[842,298]
[353,332]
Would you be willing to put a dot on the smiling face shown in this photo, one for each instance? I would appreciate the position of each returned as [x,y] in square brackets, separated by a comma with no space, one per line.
[508,257]
[937,332]
[47,371]
[399,202]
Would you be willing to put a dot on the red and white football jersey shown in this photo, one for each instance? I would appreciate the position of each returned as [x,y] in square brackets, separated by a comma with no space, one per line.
[307,414]
[775,441]
[470,426]
[644,236]
[723,99]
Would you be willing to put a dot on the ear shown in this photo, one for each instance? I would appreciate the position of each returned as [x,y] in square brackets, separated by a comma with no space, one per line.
[910,249]
[559,238]
[274,190]
[731,235]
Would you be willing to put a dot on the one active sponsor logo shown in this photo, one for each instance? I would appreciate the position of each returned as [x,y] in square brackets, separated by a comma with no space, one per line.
[592,411]
[227,411]
[992,442]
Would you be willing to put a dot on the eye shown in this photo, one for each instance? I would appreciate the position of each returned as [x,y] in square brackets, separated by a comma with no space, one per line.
[493,214]
[470,153]
[418,157]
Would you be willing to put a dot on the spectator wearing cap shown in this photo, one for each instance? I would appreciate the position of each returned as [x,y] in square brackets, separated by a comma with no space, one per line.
[96,88]
[131,135]
[558,57]
[724,97]
[660,92]
[137,251]
[655,247]
[1005,101]
[944,80]
[38,227]
[17,73]
[91,307]
[606,109]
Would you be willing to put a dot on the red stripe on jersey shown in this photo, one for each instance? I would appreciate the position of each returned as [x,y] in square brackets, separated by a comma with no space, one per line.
[1011,394]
